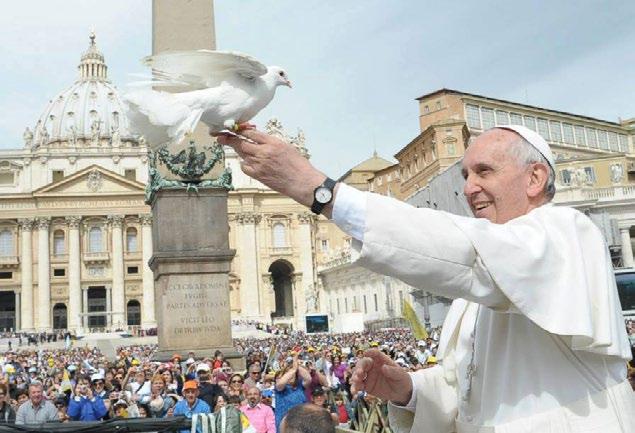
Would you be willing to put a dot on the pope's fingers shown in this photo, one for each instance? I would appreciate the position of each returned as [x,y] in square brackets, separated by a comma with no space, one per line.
[242,147]
[255,135]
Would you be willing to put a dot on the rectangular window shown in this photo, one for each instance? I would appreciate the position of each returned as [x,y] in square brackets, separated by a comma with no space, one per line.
[438,105]
[554,128]
[130,174]
[6,178]
[502,118]
[365,306]
[6,243]
[473,116]
[603,140]
[567,133]
[565,177]
[401,300]
[346,305]
[591,137]
[590,174]
[543,128]
[530,122]
[623,143]
[59,272]
[613,144]
[133,270]
[515,119]
[376,305]
[58,175]
[487,115]
[325,245]
[338,305]
[6,275]
[580,138]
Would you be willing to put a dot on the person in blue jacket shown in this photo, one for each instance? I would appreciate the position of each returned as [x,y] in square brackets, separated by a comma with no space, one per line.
[85,405]
[190,404]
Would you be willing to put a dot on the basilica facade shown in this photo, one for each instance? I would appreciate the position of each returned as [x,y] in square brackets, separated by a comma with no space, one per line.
[75,232]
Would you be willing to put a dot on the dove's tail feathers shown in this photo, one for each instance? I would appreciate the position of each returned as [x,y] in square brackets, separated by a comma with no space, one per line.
[158,116]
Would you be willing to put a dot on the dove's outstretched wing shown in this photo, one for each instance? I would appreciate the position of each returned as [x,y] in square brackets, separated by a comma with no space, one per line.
[201,69]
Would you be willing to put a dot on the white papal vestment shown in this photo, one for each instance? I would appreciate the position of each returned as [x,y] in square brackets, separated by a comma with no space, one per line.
[536,317]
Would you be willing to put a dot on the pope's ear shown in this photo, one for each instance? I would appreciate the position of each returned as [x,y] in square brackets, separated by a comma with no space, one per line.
[538,178]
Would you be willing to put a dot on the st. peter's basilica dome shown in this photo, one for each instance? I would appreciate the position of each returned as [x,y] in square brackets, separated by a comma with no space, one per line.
[89,113]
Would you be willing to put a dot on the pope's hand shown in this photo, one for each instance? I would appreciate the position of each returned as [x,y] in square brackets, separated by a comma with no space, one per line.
[380,376]
[276,163]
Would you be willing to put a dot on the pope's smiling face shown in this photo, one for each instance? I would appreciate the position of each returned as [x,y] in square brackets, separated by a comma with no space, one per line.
[496,184]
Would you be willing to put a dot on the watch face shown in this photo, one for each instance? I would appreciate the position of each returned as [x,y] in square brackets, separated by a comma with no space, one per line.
[323,195]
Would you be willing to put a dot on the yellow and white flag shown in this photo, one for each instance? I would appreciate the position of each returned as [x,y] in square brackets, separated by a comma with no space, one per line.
[409,314]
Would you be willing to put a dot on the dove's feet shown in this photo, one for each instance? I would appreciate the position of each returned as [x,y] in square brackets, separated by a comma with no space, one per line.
[237,127]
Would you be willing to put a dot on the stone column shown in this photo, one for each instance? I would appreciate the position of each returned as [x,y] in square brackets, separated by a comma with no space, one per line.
[43,275]
[147,313]
[85,307]
[118,298]
[18,324]
[26,268]
[74,273]
[110,320]
[191,263]
[627,248]
[306,266]
[249,296]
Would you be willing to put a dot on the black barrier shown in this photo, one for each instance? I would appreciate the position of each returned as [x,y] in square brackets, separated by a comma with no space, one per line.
[171,424]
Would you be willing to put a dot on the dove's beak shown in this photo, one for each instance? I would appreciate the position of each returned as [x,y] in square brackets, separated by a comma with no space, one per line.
[288,84]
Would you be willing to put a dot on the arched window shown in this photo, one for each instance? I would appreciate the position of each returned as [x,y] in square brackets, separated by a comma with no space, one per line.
[133,313]
[279,236]
[6,243]
[131,239]
[95,244]
[58,242]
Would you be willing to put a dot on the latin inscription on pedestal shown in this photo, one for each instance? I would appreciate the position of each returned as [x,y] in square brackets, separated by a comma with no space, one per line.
[196,311]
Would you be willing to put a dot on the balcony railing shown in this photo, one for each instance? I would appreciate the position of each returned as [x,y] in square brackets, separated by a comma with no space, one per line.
[99,257]
[612,193]
[9,261]
[132,255]
[281,251]
[59,258]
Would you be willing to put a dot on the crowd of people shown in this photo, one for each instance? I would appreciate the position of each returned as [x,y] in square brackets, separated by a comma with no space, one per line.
[283,371]
[79,383]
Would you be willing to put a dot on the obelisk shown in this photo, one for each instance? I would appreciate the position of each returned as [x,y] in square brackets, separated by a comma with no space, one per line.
[190,231]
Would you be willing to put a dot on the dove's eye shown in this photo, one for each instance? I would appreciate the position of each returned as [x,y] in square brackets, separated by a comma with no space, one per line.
[281,73]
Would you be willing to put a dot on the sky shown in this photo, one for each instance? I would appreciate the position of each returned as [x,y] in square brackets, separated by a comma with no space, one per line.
[356,65]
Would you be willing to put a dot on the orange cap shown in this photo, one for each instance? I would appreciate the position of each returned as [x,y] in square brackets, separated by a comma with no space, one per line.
[190,384]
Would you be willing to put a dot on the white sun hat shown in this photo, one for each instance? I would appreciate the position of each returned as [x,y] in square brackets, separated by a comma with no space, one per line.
[534,139]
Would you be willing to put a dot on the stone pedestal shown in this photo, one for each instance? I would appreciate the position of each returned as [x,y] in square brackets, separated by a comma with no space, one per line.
[191,263]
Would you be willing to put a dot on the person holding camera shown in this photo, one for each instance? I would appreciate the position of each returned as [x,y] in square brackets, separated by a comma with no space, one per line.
[289,390]
[85,405]
[208,391]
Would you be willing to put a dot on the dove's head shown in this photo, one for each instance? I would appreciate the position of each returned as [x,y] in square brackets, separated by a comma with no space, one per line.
[279,75]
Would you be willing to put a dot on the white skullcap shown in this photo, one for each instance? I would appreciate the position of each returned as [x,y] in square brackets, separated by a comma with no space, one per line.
[534,139]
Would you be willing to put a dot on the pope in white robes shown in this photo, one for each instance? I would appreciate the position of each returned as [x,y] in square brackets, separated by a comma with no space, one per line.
[534,341]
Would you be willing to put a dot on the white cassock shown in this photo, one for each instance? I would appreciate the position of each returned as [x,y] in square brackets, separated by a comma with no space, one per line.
[536,317]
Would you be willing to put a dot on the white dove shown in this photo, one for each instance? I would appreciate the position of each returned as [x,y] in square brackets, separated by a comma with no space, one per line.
[220,88]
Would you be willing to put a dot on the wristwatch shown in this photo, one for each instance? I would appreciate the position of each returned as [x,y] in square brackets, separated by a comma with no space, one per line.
[322,195]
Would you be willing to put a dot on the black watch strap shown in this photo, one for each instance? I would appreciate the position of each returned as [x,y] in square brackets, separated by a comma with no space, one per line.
[317,207]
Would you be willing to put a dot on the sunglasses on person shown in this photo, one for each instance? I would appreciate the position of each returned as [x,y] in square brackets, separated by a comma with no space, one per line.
[236,381]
